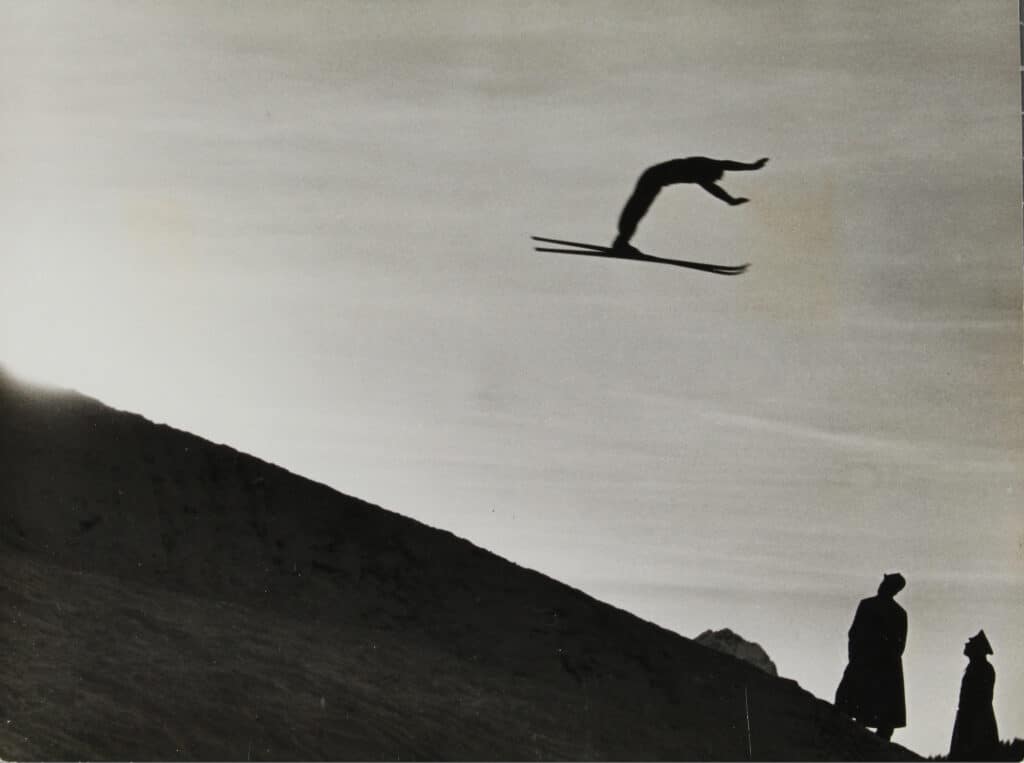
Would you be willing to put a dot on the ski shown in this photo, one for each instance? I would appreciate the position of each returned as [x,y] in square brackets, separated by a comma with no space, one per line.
[576,244]
[592,250]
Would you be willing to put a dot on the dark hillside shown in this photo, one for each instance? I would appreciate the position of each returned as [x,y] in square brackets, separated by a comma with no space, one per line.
[166,597]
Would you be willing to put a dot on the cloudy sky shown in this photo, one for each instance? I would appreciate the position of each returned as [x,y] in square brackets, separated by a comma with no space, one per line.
[302,229]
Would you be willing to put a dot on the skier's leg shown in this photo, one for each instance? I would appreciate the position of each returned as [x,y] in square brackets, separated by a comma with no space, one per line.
[636,207]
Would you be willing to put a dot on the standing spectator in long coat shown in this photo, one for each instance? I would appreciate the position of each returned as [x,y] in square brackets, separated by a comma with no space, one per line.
[975,736]
[872,686]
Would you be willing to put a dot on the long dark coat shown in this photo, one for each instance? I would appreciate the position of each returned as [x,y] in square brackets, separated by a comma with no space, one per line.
[872,686]
[975,736]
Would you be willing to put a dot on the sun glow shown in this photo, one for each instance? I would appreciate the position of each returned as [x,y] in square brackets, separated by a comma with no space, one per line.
[68,322]
[39,341]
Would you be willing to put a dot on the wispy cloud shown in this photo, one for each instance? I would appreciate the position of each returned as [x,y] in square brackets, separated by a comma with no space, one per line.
[950,456]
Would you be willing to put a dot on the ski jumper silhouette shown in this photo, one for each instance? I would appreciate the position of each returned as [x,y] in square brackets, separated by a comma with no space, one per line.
[694,169]
[700,170]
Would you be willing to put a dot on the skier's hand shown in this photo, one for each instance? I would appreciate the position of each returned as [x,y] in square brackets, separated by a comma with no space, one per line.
[760,163]
[737,202]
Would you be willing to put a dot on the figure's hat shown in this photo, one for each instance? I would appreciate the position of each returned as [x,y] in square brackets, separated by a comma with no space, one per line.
[980,642]
[892,583]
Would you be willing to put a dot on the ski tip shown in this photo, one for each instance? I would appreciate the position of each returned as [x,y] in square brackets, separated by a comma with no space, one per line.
[735,270]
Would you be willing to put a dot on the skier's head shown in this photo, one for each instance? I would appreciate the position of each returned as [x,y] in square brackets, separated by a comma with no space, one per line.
[977,646]
[892,584]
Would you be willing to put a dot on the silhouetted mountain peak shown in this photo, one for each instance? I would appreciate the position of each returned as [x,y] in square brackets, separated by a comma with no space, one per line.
[727,642]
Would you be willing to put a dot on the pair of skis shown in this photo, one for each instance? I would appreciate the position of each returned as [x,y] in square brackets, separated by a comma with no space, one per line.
[593,250]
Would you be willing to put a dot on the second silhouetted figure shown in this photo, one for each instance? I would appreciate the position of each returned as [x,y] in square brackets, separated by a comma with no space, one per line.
[694,169]
[872,686]
[975,736]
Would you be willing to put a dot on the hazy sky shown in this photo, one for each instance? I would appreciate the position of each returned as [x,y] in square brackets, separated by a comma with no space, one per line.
[302,229]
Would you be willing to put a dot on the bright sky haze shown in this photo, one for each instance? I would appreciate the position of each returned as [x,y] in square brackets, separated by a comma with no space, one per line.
[303,230]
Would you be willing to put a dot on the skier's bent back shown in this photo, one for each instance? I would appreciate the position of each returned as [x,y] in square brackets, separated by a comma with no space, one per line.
[694,169]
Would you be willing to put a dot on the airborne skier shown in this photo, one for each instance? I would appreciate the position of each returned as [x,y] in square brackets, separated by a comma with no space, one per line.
[694,169]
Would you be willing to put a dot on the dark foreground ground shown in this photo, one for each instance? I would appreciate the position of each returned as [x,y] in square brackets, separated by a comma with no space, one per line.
[163,597]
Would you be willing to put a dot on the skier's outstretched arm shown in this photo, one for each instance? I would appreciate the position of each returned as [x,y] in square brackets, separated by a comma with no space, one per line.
[720,193]
[742,166]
